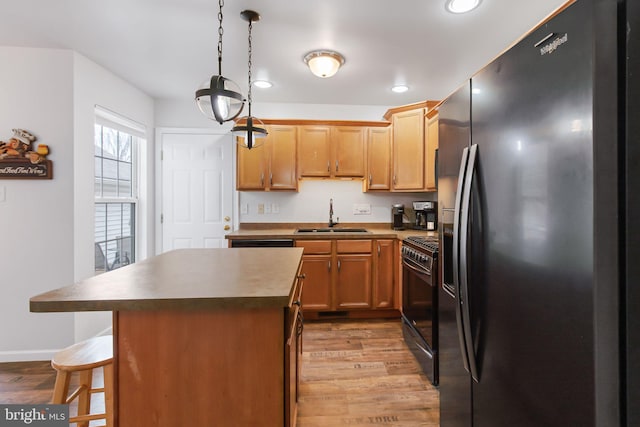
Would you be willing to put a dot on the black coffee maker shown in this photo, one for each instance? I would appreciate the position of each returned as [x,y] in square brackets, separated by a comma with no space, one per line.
[397,212]
[426,215]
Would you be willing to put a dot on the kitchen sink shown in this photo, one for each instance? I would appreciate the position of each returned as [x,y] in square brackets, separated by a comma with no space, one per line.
[332,230]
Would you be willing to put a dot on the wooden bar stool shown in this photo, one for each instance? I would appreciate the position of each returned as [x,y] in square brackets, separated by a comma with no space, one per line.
[83,358]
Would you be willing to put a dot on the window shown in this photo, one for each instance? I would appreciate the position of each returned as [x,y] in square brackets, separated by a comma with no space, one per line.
[116,194]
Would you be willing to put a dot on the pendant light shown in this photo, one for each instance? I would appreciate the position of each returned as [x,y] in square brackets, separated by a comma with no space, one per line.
[249,127]
[219,98]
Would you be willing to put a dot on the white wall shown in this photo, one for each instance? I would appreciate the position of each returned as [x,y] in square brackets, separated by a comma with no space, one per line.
[311,203]
[36,235]
[46,239]
[93,85]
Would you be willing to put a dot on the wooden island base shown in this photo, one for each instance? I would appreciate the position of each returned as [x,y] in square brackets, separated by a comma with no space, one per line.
[200,368]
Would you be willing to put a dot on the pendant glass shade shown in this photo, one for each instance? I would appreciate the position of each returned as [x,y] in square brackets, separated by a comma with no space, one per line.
[220,99]
[250,132]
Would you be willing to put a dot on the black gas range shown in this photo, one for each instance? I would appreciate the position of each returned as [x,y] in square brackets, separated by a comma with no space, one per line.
[420,301]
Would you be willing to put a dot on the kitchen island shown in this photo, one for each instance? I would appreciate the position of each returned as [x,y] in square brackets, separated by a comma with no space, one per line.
[201,336]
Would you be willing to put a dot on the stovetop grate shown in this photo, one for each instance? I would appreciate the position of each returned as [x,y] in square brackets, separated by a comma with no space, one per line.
[427,243]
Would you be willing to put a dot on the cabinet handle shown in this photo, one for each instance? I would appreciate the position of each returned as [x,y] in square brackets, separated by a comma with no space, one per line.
[338,265]
[394,179]
[336,166]
[328,166]
[262,179]
[370,180]
[329,265]
[378,249]
[302,276]
[271,178]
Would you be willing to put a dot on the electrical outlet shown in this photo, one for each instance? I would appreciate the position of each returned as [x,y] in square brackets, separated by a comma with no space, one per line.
[260,208]
[275,208]
[244,208]
[361,209]
[267,208]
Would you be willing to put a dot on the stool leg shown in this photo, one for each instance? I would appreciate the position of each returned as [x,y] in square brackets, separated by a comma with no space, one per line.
[61,388]
[108,394]
[84,399]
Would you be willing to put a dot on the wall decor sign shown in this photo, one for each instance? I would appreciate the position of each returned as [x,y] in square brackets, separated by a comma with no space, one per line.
[20,159]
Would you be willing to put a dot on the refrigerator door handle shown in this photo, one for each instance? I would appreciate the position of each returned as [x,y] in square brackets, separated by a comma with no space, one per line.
[464,273]
[456,257]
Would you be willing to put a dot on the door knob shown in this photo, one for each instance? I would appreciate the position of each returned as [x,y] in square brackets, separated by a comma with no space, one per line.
[226,218]
[227,227]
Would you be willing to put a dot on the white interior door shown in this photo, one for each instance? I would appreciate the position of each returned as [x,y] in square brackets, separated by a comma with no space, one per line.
[197,190]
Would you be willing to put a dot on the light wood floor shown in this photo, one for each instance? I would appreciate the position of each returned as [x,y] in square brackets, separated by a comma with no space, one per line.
[354,373]
[361,373]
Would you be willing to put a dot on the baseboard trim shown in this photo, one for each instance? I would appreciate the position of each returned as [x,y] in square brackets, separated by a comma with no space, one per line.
[26,355]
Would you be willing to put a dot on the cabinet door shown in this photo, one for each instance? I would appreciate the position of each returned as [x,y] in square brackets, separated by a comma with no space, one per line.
[314,150]
[383,278]
[353,283]
[349,151]
[431,129]
[408,150]
[378,159]
[251,167]
[316,294]
[283,156]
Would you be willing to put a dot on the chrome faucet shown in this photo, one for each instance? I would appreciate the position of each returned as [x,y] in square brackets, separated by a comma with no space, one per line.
[331,222]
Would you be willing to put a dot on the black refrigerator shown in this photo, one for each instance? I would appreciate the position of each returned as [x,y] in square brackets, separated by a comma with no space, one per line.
[538,169]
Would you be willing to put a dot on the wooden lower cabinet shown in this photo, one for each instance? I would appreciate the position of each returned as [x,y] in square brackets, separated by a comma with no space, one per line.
[293,356]
[346,275]
[384,266]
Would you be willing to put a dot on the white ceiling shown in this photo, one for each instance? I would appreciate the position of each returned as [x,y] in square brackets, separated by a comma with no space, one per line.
[167,48]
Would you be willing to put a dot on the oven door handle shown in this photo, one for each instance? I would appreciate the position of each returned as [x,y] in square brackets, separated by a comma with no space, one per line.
[416,269]
[464,262]
[455,255]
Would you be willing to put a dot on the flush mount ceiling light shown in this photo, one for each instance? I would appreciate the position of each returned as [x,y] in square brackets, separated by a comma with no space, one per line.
[249,128]
[219,98]
[324,63]
[400,88]
[461,6]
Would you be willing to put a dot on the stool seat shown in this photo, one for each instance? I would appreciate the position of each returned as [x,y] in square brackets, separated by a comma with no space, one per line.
[83,358]
[89,354]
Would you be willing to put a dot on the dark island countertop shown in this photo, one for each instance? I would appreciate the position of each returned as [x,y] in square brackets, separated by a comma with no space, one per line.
[185,279]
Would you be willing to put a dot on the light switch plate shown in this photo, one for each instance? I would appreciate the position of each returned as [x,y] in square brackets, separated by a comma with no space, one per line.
[260,208]
[244,208]
[361,209]
[275,208]
[267,208]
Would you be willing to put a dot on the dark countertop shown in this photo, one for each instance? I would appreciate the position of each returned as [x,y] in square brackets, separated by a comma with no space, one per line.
[185,279]
[288,231]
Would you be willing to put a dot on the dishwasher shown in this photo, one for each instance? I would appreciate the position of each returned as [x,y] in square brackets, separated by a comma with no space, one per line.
[262,243]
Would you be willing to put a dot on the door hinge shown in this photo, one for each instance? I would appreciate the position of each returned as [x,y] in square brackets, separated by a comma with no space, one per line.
[161,218]
[161,155]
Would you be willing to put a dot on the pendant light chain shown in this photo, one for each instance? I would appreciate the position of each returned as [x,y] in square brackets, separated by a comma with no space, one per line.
[220,33]
[250,51]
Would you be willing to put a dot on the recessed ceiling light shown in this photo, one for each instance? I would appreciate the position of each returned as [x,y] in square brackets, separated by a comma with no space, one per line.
[400,88]
[263,84]
[461,6]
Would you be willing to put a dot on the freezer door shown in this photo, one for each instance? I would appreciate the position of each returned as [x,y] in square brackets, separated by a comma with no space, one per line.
[532,230]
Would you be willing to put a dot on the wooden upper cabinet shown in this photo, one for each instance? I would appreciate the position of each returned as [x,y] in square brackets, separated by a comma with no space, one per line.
[331,151]
[314,155]
[272,165]
[282,160]
[378,159]
[348,150]
[431,145]
[408,150]
[251,167]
